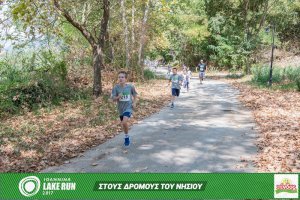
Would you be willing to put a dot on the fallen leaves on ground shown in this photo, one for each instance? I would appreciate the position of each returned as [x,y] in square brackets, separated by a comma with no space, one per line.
[34,141]
[277,114]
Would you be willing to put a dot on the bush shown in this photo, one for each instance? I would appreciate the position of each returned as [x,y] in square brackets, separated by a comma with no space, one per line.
[292,73]
[262,74]
[298,84]
[284,76]
[148,74]
[27,87]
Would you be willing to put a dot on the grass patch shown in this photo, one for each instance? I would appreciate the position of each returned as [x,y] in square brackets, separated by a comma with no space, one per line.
[282,78]
[235,76]
[148,74]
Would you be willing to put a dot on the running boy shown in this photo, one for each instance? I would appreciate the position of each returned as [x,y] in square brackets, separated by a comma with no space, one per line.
[176,82]
[126,97]
[186,80]
[202,69]
[189,72]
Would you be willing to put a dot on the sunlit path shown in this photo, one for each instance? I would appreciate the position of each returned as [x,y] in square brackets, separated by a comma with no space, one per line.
[207,131]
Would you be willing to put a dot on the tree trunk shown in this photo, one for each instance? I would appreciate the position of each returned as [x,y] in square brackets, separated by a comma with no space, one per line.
[142,38]
[247,32]
[97,64]
[133,43]
[111,54]
[125,32]
[250,34]
[248,66]
[97,43]
[132,24]
[109,48]
[263,18]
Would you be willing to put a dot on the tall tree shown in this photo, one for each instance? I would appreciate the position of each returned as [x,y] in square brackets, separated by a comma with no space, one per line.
[254,17]
[125,26]
[95,38]
[235,28]
[132,23]
[143,32]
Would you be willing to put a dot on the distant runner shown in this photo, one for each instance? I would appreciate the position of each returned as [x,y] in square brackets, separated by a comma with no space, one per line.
[202,69]
[186,80]
[176,82]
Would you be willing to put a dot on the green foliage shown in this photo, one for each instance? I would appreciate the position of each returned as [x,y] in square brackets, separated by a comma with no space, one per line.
[282,77]
[292,73]
[30,87]
[286,15]
[225,33]
[148,74]
[298,84]
[233,35]
[262,74]
[178,27]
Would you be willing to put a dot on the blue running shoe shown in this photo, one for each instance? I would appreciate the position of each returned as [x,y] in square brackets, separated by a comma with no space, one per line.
[126,142]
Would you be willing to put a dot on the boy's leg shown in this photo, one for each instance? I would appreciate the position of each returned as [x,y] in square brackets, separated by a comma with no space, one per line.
[200,77]
[125,125]
[172,101]
[177,92]
[173,97]
[125,118]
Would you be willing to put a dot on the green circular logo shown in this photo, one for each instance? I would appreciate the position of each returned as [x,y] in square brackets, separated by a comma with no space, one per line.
[29,186]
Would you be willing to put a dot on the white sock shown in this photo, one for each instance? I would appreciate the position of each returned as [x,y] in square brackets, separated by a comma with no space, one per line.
[126,135]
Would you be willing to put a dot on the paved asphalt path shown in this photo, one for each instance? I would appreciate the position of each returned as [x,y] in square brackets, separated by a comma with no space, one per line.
[208,131]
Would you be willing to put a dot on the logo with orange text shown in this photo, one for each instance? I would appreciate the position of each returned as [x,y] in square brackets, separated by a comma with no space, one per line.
[286,185]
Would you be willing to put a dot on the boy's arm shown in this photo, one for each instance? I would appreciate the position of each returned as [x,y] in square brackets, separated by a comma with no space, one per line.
[180,79]
[115,99]
[134,101]
[134,97]
[114,95]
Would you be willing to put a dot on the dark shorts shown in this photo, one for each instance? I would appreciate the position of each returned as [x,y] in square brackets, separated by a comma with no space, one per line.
[125,114]
[175,92]
[201,74]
